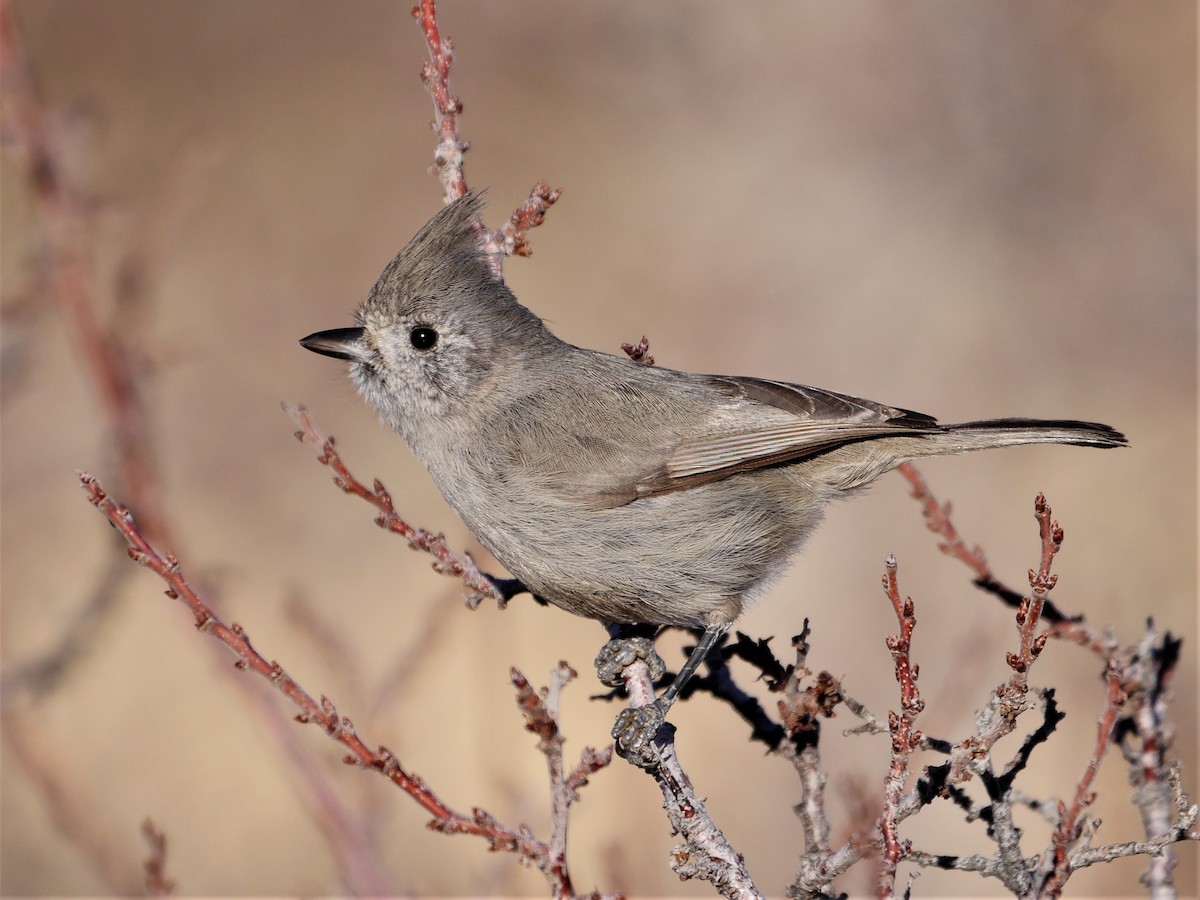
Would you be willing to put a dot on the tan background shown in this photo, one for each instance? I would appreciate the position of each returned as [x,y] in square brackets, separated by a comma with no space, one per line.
[967,209]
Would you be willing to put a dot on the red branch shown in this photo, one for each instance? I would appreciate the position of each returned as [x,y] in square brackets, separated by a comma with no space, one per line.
[1070,828]
[1137,692]
[435,73]
[1042,581]
[639,352]
[905,738]
[323,713]
[937,520]
[514,234]
[479,587]
[1011,698]
[512,238]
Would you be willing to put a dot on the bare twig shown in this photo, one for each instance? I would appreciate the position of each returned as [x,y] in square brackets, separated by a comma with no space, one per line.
[514,234]
[804,751]
[937,520]
[639,352]
[512,238]
[1137,680]
[323,713]
[1011,698]
[904,737]
[1057,862]
[435,73]
[705,852]
[541,715]
[446,562]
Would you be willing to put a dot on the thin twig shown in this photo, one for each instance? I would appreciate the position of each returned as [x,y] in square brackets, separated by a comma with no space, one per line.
[1058,863]
[446,562]
[323,713]
[511,238]
[541,715]
[904,736]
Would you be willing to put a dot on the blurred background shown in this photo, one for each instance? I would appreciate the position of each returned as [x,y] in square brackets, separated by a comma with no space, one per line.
[972,210]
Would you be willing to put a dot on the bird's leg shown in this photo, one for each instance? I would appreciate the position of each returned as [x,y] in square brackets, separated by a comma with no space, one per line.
[635,729]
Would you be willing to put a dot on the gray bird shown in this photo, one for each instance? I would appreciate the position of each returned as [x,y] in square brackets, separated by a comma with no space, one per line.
[614,490]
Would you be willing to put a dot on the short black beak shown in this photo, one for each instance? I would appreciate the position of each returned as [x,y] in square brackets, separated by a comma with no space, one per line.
[340,343]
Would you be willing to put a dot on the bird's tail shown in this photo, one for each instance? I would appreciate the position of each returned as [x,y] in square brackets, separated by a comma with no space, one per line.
[1010,432]
[846,470]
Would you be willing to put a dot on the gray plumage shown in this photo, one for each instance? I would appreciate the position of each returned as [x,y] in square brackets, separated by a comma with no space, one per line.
[614,490]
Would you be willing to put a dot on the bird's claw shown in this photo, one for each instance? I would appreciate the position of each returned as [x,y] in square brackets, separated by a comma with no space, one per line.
[620,653]
[634,733]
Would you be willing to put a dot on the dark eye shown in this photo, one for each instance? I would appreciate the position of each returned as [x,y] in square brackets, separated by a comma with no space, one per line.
[423,337]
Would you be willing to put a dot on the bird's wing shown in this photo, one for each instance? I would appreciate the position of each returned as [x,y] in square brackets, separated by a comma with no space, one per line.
[745,436]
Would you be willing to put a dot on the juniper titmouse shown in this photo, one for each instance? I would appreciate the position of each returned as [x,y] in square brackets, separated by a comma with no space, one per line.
[615,490]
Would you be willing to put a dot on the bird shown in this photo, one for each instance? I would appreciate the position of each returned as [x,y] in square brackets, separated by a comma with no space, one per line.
[621,492]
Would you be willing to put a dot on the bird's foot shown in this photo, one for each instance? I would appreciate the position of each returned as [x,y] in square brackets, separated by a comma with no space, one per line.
[620,653]
[508,587]
[634,732]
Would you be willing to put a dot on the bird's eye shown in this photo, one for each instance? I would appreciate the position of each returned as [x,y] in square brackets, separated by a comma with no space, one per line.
[423,337]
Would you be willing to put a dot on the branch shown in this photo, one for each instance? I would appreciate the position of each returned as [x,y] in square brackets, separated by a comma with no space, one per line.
[541,715]
[435,73]
[1137,680]
[1069,827]
[937,520]
[511,238]
[905,738]
[639,352]
[1011,698]
[323,713]
[479,586]
[705,853]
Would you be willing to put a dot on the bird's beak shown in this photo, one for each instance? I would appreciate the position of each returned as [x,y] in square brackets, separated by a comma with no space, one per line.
[340,343]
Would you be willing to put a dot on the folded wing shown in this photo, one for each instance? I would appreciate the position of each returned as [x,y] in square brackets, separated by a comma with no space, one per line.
[809,421]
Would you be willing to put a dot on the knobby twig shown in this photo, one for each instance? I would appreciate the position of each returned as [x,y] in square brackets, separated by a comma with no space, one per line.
[1137,692]
[512,237]
[435,73]
[541,717]
[446,562]
[1011,698]
[520,841]
[639,352]
[705,852]
[801,712]
[904,736]
[1057,863]
[937,520]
